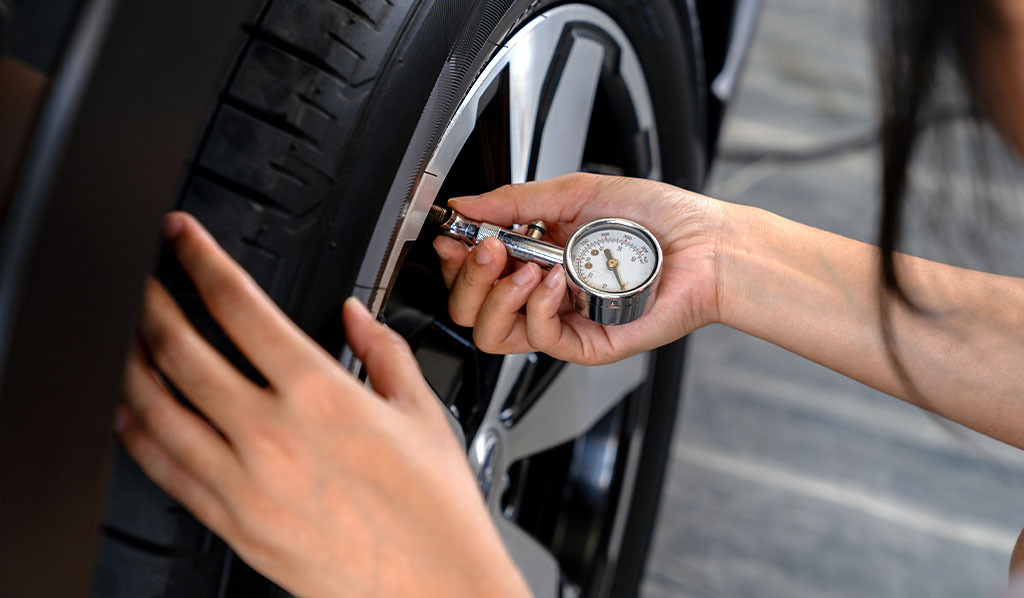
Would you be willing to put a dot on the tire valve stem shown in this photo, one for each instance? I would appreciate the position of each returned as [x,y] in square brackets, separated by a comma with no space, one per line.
[453,225]
[523,247]
[438,215]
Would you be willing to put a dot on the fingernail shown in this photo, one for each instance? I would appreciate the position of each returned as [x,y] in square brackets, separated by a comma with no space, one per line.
[173,223]
[483,255]
[523,275]
[354,303]
[121,418]
[554,277]
[463,199]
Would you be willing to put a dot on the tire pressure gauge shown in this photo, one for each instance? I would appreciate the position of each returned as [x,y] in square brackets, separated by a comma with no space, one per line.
[612,265]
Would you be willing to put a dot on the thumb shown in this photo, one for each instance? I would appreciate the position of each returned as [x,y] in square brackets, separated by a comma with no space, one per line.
[552,200]
[389,362]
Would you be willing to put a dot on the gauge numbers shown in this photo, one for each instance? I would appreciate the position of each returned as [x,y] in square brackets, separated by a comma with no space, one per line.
[613,260]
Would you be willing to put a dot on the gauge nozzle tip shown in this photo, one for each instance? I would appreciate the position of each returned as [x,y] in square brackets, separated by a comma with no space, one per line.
[438,215]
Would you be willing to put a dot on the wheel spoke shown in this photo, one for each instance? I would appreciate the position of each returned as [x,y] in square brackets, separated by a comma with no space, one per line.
[574,402]
[512,367]
[529,61]
[568,118]
[564,113]
[536,563]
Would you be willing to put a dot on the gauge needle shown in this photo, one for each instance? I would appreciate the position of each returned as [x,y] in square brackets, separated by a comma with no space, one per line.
[613,265]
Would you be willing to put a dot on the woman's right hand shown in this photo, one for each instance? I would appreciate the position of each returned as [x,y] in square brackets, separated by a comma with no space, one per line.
[489,295]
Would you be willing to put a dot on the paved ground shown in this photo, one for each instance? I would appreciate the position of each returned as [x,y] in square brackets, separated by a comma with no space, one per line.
[789,480]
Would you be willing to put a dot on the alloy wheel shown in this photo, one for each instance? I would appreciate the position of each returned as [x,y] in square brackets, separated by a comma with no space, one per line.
[554,446]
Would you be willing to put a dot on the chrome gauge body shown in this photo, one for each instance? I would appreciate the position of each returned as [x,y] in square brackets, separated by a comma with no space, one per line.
[612,265]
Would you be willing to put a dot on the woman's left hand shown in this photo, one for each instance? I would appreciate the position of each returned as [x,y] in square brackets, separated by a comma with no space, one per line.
[320,484]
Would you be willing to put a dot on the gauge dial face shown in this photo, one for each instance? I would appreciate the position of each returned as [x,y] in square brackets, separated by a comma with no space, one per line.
[613,258]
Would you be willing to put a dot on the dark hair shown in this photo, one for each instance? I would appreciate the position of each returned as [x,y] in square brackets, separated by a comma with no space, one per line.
[918,41]
[928,58]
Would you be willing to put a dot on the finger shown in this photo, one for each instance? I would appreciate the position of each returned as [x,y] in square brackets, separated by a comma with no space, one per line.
[192,365]
[180,433]
[557,200]
[452,254]
[500,328]
[253,322]
[545,329]
[169,475]
[389,362]
[475,280]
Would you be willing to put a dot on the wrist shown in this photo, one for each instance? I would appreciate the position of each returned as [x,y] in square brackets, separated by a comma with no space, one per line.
[695,229]
[731,238]
[744,249]
[786,282]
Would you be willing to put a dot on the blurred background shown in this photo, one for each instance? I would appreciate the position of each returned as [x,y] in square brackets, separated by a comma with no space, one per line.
[787,479]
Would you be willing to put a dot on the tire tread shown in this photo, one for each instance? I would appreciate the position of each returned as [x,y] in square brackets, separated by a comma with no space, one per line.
[286,116]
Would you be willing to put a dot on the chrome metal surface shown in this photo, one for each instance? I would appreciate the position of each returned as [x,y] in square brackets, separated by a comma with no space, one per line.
[520,247]
[608,311]
[457,226]
[612,308]
[523,248]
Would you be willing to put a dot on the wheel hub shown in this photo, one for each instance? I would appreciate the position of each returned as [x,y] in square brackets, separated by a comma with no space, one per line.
[485,458]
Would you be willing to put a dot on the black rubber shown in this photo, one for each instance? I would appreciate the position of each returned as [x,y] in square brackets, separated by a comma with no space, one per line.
[298,157]
[266,181]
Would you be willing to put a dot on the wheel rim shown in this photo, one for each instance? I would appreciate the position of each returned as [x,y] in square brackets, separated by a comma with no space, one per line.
[566,92]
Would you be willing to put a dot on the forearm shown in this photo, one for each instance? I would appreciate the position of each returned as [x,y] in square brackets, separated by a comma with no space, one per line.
[817,294]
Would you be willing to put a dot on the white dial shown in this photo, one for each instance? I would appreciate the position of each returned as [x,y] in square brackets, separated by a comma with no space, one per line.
[613,259]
